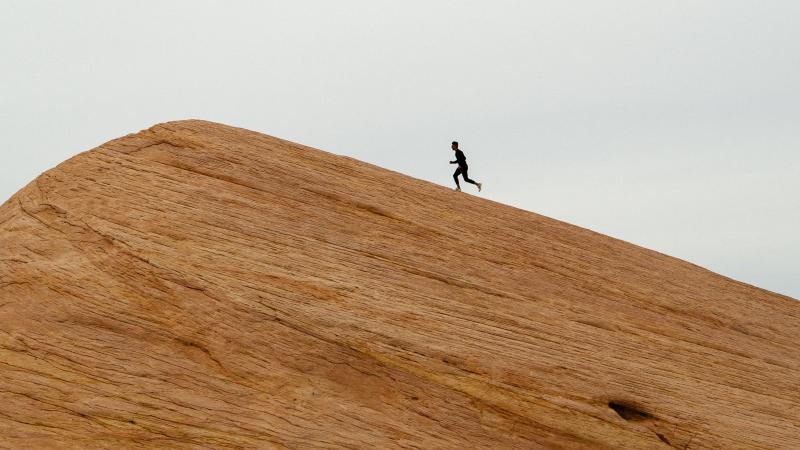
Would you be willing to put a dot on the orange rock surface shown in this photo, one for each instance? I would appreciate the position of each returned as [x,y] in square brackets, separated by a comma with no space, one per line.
[196,285]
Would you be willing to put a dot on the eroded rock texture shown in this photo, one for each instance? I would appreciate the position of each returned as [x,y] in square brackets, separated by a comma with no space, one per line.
[198,285]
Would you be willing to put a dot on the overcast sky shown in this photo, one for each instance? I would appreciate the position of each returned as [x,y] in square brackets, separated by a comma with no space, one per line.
[674,125]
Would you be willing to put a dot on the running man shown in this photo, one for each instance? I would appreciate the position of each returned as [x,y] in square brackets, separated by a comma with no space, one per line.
[461,160]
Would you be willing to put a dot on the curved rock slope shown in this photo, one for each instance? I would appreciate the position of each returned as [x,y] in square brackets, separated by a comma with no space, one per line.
[198,285]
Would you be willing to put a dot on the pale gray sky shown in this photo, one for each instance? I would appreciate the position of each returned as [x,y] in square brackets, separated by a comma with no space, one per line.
[674,125]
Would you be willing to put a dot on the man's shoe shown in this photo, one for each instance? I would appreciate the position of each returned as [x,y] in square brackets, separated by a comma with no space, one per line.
[458,189]
[479,186]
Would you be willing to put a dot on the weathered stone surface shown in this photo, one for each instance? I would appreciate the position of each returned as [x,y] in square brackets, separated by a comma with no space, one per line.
[198,285]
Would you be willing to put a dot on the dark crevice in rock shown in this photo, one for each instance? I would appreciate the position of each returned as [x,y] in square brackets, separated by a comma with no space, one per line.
[629,412]
[634,413]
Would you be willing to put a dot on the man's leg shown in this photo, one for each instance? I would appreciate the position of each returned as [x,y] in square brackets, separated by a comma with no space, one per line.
[455,177]
[467,179]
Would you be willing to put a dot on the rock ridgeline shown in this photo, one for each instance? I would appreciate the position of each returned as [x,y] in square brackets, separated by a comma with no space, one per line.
[196,285]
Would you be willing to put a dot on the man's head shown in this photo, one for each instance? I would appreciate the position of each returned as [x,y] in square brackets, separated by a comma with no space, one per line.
[454,146]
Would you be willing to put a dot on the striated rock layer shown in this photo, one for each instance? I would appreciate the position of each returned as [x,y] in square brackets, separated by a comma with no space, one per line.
[198,285]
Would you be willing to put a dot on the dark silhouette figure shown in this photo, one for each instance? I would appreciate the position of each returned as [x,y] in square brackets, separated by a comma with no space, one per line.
[461,160]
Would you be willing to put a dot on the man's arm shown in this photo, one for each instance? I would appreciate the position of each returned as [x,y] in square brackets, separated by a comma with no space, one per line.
[453,162]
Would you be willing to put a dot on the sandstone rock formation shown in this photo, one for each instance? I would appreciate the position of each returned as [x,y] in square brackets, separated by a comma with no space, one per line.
[196,285]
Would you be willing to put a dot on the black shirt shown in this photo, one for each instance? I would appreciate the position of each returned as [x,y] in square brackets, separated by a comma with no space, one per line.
[461,159]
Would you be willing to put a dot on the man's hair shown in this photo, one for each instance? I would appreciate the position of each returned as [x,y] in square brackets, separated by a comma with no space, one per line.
[455,143]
